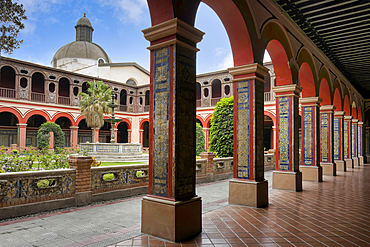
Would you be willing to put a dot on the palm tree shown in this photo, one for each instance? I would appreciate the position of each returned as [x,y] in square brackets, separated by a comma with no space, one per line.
[94,104]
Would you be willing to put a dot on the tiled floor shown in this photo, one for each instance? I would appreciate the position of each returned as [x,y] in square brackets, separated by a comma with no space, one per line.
[335,212]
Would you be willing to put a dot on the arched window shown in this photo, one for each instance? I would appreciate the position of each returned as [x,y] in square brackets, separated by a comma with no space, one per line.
[7,79]
[84,87]
[64,87]
[199,95]
[122,133]
[38,82]
[227,89]
[147,97]
[131,82]
[123,97]
[206,92]
[216,88]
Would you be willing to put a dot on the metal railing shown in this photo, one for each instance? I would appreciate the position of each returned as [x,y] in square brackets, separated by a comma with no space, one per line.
[123,108]
[269,96]
[64,100]
[214,101]
[38,97]
[7,93]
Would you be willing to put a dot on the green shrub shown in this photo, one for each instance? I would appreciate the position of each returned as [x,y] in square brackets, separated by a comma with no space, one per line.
[200,139]
[43,136]
[222,128]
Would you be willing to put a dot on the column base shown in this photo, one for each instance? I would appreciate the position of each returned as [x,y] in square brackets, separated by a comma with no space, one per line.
[174,221]
[248,193]
[361,160]
[355,162]
[349,163]
[311,173]
[287,180]
[83,198]
[340,165]
[329,169]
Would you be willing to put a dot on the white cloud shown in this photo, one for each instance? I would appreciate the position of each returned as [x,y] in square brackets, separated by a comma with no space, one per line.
[227,62]
[127,11]
[219,51]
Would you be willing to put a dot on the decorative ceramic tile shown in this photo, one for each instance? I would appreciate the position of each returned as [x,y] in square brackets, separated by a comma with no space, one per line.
[325,138]
[243,130]
[345,140]
[336,130]
[283,133]
[160,121]
[359,140]
[308,130]
[354,153]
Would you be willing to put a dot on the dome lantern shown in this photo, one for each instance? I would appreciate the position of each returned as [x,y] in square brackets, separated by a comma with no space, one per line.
[84,29]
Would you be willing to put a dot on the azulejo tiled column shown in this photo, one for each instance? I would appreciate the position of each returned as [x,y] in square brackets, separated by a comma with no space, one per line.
[367,144]
[360,143]
[248,186]
[287,175]
[172,210]
[310,147]
[338,141]
[327,140]
[354,143]
[347,141]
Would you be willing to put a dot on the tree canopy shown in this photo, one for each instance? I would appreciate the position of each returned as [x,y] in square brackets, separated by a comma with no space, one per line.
[222,128]
[12,16]
[94,103]
[200,139]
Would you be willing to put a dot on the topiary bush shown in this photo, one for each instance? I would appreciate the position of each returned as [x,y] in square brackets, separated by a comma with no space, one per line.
[200,139]
[43,136]
[222,128]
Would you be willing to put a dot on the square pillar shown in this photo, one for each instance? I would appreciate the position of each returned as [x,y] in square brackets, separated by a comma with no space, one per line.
[74,130]
[209,167]
[347,141]
[327,140]
[95,133]
[338,141]
[367,144]
[82,164]
[22,134]
[287,175]
[248,186]
[360,143]
[172,210]
[310,147]
[354,137]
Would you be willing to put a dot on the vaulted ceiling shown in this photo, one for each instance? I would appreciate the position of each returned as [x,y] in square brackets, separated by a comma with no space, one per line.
[341,29]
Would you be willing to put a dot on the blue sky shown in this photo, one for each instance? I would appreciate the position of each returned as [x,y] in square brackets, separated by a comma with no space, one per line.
[117,29]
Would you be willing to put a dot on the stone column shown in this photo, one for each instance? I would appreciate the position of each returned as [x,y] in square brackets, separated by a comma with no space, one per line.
[273,142]
[129,135]
[95,132]
[338,140]
[310,147]
[115,134]
[141,137]
[248,186]
[209,169]
[74,130]
[360,144]
[327,140]
[172,210]
[51,140]
[367,144]
[354,142]
[287,175]
[82,164]
[22,132]
[347,141]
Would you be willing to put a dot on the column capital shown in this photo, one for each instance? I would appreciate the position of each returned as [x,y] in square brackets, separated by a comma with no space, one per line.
[354,120]
[348,118]
[167,33]
[73,127]
[360,123]
[327,108]
[287,90]
[310,101]
[129,130]
[339,114]
[22,124]
[248,72]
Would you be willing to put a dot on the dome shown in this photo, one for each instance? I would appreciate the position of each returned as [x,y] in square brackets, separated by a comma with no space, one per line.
[84,21]
[82,49]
